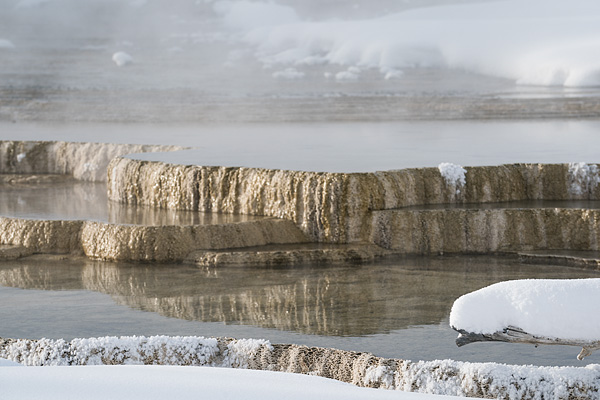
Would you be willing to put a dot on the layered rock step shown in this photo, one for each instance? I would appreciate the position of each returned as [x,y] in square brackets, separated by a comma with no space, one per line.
[114,242]
[9,252]
[580,259]
[275,255]
[499,228]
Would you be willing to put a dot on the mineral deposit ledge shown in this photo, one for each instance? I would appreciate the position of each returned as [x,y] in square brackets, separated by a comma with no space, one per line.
[310,216]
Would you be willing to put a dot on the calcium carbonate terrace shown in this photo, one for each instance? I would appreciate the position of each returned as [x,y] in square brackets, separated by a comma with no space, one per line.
[409,211]
[219,216]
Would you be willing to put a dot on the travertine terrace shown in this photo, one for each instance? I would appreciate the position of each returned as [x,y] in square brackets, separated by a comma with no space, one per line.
[410,211]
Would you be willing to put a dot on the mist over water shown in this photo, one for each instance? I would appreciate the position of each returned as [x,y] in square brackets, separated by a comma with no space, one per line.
[290,60]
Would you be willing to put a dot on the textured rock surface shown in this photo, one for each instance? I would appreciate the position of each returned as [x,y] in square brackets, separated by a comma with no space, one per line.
[337,207]
[483,231]
[174,243]
[84,161]
[327,207]
[141,243]
[41,236]
[363,369]
[286,255]
[10,252]
[584,259]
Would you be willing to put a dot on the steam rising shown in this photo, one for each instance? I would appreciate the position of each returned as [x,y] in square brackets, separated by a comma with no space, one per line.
[220,50]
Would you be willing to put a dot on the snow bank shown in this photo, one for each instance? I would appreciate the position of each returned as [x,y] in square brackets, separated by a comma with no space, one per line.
[122,59]
[445,377]
[565,309]
[7,363]
[147,383]
[533,42]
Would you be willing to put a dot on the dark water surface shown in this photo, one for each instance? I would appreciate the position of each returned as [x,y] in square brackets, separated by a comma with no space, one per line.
[397,308]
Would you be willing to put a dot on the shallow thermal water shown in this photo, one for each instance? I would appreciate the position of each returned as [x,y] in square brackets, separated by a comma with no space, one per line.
[398,308]
[342,147]
[78,200]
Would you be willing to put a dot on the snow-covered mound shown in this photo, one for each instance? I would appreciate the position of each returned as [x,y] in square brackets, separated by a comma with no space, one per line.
[181,383]
[565,309]
[440,377]
[539,42]
[122,59]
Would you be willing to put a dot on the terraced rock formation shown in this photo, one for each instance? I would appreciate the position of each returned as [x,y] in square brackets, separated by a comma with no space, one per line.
[377,213]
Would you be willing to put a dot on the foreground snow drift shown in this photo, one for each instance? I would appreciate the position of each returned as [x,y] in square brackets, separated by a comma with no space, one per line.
[154,382]
[445,377]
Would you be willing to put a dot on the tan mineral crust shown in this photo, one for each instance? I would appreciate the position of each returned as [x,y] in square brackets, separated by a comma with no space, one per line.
[371,214]
[309,217]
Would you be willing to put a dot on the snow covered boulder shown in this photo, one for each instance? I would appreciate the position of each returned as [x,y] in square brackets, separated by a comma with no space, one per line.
[537,311]
[122,59]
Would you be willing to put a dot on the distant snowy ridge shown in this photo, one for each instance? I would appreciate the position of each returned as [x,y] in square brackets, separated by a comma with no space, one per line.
[435,377]
[532,42]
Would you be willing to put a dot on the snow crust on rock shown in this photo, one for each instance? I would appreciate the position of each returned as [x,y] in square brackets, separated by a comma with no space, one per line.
[532,42]
[565,309]
[440,377]
[453,174]
[122,59]
[583,178]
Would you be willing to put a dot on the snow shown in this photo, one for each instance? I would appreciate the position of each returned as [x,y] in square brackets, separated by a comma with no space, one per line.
[453,174]
[289,73]
[565,309]
[6,44]
[149,367]
[7,363]
[532,42]
[166,382]
[351,74]
[121,58]
[583,178]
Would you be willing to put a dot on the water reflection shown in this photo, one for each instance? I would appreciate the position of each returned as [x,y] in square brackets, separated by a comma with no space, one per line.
[67,199]
[331,301]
